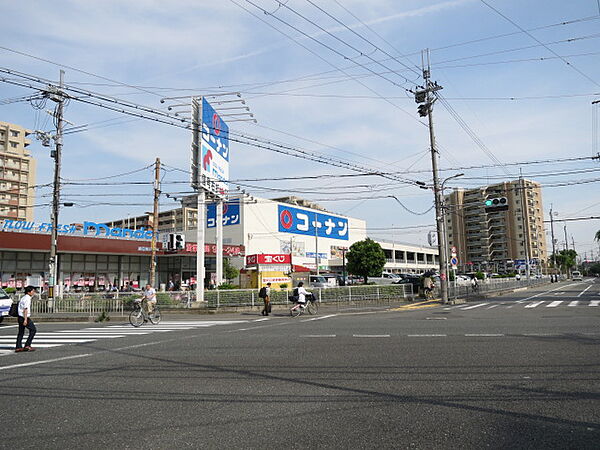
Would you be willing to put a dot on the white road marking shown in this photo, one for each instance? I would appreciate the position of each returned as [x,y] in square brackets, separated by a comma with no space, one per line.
[37,341]
[35,363]
[320,318]
[546,292]
[260,320]
[574,303]
[484,335]
[475,306]
[594,303]
[493,306]
[534,305]
[582,292]
[554,304]
[35,345]
[8,326]
[427,335]
[318,336]
[371,335]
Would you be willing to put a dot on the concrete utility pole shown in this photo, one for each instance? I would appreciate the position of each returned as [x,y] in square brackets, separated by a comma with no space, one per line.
[552,236]
[219,239]
[155,221]
[427,98]
[525,223]
[58,97]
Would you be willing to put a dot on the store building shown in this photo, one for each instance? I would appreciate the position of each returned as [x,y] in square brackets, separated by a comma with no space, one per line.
[408,258]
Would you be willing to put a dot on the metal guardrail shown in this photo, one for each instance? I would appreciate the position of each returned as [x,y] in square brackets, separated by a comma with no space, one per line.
[492,285]
[119,303]
[347,295]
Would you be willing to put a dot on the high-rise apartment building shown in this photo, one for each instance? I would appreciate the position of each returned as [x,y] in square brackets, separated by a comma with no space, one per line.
[17,173]
[495,227]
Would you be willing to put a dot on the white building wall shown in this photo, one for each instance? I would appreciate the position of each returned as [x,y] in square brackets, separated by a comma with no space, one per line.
[258,231]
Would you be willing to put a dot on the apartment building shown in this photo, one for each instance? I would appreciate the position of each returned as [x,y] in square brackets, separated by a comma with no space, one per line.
[494,227]
[17,173]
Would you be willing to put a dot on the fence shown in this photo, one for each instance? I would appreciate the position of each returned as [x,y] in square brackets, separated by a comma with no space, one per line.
[119,303]
[351,296]
[492,285]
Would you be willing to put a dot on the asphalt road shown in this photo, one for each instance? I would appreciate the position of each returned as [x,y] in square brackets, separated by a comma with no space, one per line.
[518,371]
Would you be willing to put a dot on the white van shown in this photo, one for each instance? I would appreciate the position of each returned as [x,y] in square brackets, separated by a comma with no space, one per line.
[576,275]
[5,302]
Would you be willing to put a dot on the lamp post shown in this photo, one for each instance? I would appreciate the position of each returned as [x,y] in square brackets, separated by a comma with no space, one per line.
[442,239]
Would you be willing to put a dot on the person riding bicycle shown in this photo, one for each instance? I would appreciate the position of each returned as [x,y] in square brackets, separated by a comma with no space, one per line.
[474,284]
[148,300]
[302,294]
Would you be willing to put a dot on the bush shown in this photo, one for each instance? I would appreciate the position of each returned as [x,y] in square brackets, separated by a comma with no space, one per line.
[479,275]
[283,286]
[10,290]
[162,298]
[228,286]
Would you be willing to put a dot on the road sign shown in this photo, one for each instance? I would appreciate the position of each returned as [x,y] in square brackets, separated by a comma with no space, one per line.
[453,249]
[454,261]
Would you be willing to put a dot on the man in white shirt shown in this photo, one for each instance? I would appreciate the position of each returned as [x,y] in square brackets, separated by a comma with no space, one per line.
[25,321]
[150,297]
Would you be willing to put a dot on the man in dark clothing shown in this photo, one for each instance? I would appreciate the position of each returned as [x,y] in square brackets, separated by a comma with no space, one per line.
[25,321]
[265,294]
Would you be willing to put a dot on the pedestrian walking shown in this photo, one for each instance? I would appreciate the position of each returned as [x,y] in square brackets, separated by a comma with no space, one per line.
[25,321]
[265,294]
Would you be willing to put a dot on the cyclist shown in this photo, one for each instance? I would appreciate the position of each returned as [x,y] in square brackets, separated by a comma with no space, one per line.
[301,293]
[148,300]
[474,284]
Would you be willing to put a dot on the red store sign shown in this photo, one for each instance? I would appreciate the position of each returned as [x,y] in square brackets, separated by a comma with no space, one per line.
[284,258]
[211,249]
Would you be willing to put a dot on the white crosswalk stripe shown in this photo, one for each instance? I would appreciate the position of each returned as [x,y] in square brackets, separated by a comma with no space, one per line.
[534,304]
[92,334]
[554,304]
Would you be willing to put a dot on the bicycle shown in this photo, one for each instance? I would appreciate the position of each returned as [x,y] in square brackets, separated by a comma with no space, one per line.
[475,288]
[139,316]
[429,294]
[311,306]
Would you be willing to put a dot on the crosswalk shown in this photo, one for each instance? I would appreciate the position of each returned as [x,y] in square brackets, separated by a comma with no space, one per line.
[527,304]
[92,334]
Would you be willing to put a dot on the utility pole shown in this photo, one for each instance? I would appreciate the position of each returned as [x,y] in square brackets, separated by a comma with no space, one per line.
[525,223]
[58,97]
[552,236]
[316,243]
[155,221]
[426,97]
[219,243]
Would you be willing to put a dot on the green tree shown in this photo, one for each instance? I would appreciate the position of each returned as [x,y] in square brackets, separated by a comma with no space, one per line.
[229,271]
[365,259]
[566,259]
[597,235]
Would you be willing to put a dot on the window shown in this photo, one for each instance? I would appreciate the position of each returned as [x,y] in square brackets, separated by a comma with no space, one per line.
[13,144]
[14,133]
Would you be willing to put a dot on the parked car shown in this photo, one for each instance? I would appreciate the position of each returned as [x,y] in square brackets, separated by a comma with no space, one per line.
[576,276]
[413,279]
[318,281]
[385,278]
[5,302]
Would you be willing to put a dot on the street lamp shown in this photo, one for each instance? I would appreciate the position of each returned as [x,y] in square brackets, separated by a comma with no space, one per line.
[442,236]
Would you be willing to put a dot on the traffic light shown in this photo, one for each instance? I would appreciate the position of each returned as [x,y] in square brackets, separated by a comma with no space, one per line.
[496,204]
[423,110]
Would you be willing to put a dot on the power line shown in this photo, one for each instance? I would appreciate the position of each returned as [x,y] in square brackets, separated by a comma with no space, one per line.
[541,43]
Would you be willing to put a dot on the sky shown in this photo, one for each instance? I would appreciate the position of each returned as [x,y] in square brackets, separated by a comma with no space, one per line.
[329,78]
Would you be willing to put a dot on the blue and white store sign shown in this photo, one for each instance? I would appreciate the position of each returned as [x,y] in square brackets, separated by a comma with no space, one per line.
[311,223]
[88,229]
[231,214]
[214,147]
